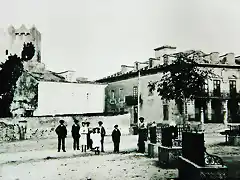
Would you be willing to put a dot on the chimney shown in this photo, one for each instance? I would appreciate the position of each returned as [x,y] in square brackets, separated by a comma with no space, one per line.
[159,52]
[214,58]
[125,68]
[230,58]
[136,66]
[207,57]
[153,62]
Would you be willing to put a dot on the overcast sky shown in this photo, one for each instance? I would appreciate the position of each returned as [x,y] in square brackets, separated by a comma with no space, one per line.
[94,37]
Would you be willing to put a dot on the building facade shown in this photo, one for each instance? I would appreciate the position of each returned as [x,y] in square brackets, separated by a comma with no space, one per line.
[220,105]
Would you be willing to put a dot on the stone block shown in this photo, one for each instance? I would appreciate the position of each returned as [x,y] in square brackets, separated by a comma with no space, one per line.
[168,156]
[152,150]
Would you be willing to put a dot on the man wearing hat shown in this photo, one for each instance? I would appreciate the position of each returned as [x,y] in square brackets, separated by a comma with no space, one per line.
[103,133]
[116,138]
[75,134]
[142,135]
[89,140]
[61,131]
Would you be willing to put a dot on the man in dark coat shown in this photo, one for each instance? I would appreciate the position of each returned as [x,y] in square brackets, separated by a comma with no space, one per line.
[89,140]
[61,131]
[153,133]
[142,135]
[75,134]
[116,134]
[103,133]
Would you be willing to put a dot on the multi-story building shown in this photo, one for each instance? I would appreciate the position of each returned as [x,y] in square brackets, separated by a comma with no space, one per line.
[220,104]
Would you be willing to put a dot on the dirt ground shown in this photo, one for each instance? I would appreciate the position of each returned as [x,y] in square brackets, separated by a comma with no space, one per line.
[103,167]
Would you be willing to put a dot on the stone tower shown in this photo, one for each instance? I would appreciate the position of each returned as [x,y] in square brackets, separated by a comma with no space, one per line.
[17,37]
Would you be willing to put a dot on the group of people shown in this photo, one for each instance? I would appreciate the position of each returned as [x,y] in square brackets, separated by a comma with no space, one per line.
[89,138]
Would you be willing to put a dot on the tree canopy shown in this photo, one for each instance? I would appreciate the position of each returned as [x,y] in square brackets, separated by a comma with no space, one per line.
[10,71]
[183,79]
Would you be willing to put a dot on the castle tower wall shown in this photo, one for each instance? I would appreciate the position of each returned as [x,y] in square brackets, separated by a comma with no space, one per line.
[17,37]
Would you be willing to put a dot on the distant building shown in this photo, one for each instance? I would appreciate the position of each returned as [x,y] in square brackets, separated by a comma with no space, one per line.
[41,92]
[122,90]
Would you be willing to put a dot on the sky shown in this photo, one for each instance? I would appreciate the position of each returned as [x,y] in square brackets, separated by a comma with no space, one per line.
[95,37]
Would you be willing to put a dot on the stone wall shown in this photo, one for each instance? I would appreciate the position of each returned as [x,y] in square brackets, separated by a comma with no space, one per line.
[44,127]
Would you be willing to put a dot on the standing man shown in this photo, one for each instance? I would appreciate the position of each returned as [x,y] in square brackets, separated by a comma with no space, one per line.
[75,134]
[116,134]
[142,135]
[89,140]
[61,131]
[103,133]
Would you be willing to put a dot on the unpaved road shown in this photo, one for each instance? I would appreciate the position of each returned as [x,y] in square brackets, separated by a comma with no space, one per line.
[103,167]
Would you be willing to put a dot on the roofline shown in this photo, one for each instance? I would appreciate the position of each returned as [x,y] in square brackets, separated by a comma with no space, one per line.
[84,82]
[123,65]
[165,47]
[64,72]
[226,54]
[155,70]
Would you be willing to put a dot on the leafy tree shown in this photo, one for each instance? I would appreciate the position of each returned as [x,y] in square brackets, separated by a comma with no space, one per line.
[182,80]
[10,71]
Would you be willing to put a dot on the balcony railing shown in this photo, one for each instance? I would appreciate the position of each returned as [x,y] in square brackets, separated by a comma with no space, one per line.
[222,95]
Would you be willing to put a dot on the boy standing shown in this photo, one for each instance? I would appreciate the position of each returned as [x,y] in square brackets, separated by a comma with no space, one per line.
[75,135]
[103,133]
[61,131]
[116,138]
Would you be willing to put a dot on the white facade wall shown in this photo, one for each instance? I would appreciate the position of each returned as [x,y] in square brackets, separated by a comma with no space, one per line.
[69,98]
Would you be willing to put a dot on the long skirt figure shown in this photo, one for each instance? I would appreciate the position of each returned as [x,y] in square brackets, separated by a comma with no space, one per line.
[96,138]
[83,138]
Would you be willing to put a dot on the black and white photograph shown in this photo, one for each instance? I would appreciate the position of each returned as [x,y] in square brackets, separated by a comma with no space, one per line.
[120,90]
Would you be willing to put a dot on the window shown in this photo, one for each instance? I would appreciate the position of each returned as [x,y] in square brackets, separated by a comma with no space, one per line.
[150,63]
[121,95]
[165,112]
[112,94]
[135,91]
[6,52]
[112,97]
[232,87]
[205,87]
[216,88]
[165,60]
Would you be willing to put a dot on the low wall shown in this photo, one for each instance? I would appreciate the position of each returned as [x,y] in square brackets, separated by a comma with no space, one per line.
[168,156]
[190,171]
[44,127]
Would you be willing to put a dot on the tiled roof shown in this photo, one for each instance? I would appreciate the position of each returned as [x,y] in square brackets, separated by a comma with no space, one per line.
[47,76]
